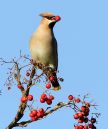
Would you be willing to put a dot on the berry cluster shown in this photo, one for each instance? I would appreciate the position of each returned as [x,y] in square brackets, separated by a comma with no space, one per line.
[81,107]
[37,114]
[82,114]
[24,99]
[48,99]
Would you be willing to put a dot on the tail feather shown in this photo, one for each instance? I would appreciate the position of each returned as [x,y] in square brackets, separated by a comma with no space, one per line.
[55,85]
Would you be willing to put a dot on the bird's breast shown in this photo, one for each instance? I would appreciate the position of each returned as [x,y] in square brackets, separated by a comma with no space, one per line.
[43,49]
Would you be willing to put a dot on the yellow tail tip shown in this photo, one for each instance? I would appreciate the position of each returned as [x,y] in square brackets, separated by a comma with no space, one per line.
[56,88]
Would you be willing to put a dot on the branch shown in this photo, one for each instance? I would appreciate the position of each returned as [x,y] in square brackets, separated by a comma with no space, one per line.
[58,106]
[22,106]
[81,112]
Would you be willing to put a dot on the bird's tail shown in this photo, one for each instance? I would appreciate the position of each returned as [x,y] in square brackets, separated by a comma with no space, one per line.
[55,85]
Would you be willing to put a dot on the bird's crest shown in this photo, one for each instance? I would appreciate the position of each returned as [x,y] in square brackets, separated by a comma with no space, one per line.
[46,14]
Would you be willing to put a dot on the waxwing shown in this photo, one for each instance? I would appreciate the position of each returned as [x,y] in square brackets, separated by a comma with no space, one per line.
[43,46]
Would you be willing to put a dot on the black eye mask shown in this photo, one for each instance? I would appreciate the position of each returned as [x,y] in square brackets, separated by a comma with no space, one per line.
[49,17]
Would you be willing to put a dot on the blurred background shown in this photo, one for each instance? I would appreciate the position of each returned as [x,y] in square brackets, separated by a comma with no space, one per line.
[82,37]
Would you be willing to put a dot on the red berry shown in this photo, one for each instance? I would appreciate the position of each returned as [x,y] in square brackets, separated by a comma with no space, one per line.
[91,126]
[81,127]
[20,86]
[24,99]
[93,120]
[78,100]
[76,116]
[81,120]
[40,113]
[41,110]
[76,127]
[80,114]
[85,127]
[83,108]
[48,86]
[27,74]
[34,112]
[30,97]
[70,97]
[51,97]
[51,78]
[49,101]
[31,114]
[34,118]
[44,96]
[87,104]
[42,100]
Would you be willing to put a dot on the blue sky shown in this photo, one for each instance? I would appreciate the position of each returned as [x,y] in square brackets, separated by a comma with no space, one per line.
[82,37]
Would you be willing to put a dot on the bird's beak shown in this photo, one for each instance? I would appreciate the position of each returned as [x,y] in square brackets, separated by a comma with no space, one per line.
[56,18]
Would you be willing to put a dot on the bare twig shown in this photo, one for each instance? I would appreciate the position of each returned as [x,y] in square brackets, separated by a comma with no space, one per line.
[22,106]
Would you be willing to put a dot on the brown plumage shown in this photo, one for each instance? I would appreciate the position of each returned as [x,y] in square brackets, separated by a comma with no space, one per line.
[43,45]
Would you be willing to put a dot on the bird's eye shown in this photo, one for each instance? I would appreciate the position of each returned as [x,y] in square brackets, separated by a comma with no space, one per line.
[49,17]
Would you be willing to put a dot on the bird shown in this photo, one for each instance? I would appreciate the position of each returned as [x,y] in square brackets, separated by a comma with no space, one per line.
[43,46]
